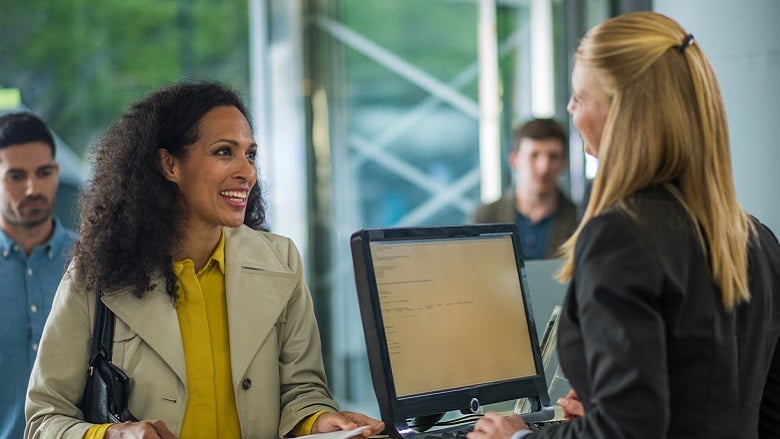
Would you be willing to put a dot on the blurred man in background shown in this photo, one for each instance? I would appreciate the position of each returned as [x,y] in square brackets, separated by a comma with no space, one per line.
[34,249]
[544,216]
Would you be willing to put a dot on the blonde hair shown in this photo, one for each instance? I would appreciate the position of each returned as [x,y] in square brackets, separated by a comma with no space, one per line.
[666,122]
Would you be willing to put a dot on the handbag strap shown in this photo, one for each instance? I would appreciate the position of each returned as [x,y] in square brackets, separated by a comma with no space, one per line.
[103,335]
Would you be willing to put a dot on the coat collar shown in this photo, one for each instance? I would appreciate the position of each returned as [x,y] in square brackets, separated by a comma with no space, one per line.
[258,284]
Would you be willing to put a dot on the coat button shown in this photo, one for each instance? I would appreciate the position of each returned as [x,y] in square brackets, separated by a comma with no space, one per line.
[246,384]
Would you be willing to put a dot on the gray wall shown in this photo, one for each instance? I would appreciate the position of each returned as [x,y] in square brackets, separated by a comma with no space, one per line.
[742,41]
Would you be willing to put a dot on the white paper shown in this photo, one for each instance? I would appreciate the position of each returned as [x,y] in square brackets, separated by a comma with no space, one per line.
[338,434]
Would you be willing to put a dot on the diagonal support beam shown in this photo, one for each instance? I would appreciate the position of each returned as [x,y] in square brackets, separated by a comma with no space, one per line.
[398,65]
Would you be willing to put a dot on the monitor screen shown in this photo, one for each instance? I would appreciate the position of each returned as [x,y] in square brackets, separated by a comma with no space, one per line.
[453,305]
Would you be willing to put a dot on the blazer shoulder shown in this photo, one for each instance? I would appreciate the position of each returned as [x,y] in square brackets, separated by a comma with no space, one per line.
[501,210]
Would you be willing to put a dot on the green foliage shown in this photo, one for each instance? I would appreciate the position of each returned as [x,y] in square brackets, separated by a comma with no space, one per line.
[80,63]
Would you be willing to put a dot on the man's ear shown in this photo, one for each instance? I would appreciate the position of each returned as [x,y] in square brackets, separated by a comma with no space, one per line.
[167,164]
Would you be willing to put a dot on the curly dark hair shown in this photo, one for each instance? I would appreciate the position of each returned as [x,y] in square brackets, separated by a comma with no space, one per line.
[130,214]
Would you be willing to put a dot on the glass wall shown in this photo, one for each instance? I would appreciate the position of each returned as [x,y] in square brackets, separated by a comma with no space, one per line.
[393,130]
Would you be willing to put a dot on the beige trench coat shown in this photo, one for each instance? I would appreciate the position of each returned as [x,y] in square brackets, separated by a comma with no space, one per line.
[278,376]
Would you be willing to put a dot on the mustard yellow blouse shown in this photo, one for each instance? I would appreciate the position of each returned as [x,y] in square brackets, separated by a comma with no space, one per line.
[202,311]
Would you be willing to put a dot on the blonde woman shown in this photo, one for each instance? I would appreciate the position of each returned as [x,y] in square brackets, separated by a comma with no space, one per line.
[671,323]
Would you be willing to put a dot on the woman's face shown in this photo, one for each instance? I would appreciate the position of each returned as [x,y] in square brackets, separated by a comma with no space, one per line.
[217,171]
[588,106]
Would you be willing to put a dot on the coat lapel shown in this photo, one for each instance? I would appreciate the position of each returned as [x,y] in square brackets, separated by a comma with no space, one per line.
[258,284]
[154,319]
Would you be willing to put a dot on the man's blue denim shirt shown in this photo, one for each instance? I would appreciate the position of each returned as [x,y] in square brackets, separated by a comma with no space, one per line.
[27,286]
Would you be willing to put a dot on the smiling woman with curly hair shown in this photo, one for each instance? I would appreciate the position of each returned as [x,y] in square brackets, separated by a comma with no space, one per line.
[214,322]
[131,212]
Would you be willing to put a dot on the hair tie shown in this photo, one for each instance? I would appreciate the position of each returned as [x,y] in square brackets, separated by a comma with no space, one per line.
[687,41]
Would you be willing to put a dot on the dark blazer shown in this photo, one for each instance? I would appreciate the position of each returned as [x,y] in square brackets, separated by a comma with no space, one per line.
[646,343]
[564,220]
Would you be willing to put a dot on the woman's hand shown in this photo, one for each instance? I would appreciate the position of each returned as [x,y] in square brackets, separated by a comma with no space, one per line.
[347,421]
[571,405]
[139,430]
[495,426]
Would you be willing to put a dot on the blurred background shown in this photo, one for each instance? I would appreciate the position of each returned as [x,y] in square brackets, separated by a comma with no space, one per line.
[369,113]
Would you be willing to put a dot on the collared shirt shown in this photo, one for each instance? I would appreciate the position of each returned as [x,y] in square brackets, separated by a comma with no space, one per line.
[27,286]
[533,236]
[202,310]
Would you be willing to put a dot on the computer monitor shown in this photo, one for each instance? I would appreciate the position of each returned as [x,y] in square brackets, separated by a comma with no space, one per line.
[447,321]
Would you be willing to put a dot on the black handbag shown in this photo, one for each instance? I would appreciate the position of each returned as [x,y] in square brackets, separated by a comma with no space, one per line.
[108,388]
